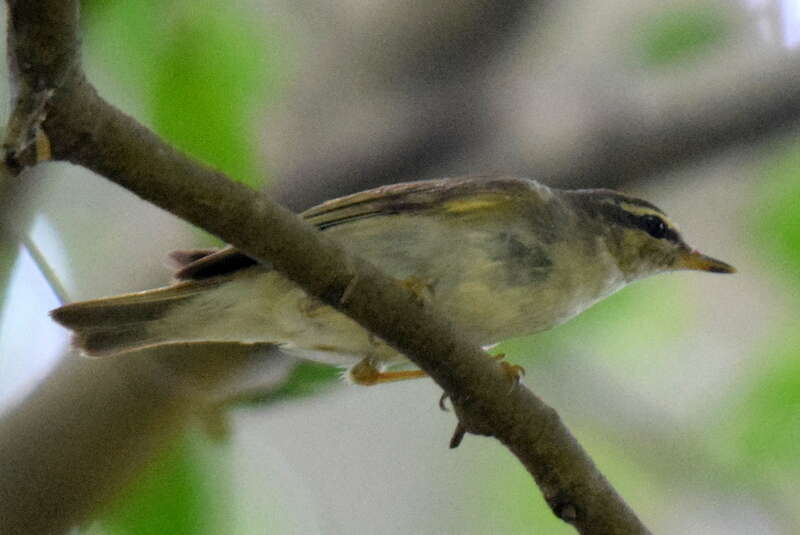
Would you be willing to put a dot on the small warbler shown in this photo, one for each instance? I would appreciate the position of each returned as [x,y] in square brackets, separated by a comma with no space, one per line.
[499,256]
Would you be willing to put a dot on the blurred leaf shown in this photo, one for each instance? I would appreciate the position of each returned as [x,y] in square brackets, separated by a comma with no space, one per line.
[649,313]
[209,86]
[777,218]
[763,431]
[179,494]
[681,34]
[511,503]
[203,71]
[307,379]
[125,40]
[509,500]
[761,434]
[627,324]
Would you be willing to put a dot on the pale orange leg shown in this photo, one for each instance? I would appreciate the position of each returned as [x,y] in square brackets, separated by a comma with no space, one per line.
[402,375]
[365,373]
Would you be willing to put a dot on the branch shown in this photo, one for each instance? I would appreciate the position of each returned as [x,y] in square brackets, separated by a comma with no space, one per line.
[71,447]
[662,126]
[642,128]
[85,130]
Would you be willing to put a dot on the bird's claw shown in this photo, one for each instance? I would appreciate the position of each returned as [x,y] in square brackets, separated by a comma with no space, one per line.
[513,371]
[443,402]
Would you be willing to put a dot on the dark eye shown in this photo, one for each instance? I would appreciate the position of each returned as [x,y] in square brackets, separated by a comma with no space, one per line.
[654,226]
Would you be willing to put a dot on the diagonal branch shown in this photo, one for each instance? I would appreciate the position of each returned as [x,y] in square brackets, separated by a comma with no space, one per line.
[85,130]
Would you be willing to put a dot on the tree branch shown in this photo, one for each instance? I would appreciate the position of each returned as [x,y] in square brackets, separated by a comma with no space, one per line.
[71,447]
[674,124]
[85,130]
[644,126]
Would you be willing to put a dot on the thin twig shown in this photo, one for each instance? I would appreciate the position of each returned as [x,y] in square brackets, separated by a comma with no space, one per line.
[46,269]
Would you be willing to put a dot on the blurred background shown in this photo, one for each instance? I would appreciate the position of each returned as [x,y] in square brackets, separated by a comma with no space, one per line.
[684,388]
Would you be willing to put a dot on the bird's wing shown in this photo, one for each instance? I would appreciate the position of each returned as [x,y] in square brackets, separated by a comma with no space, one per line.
[454,195]
[215,262]
[449,195]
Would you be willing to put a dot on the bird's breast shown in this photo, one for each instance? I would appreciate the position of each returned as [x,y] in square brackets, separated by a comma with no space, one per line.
[529,288]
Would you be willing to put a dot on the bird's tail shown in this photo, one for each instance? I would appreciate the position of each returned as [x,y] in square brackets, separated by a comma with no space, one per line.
[124,323]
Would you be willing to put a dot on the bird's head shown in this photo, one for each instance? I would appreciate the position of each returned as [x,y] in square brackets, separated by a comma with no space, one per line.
[641,237]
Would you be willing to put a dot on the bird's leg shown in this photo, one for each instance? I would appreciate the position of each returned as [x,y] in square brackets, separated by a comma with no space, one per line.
[365,373]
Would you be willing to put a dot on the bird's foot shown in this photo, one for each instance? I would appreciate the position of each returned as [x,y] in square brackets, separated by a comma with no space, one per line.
[513,371]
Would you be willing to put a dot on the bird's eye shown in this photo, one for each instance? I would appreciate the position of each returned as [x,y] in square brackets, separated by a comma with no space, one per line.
[654,226]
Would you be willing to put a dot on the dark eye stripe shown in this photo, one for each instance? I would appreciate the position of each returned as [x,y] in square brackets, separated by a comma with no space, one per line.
[656,227]
[641,222]
[672,236]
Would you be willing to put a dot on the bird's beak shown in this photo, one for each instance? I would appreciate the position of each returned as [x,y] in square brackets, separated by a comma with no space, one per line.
[693,259]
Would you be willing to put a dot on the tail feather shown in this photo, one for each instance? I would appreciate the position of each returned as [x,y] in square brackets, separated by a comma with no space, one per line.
[122,323]
[112,340]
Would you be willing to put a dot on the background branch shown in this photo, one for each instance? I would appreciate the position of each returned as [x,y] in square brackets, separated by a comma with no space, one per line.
[85,130]
[67,453]
[670,125]
[621,124]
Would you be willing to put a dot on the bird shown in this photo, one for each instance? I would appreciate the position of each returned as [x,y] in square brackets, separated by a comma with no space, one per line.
[499,256]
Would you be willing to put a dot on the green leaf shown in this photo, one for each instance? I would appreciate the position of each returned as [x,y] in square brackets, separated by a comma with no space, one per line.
[122,47]
[777,222]
[307,379]
[209,87]
[180,493]
[681,34]
[624,326]
[201,71]
[509,501]
[762,433]
[758,434]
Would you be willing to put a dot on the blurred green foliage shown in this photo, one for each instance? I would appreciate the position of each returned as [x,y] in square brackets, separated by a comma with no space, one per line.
[624,326]
[760,437]
[511,503]
[209,87]
[777,223]
[200,72]
[307,379]
[680,34]
[766,430]
[175,495]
